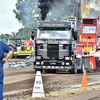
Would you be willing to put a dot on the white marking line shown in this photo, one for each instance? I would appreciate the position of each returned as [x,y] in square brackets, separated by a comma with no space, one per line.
[13,92]
[68,87]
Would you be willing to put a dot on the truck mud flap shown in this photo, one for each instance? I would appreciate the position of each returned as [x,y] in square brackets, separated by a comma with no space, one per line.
[87,63]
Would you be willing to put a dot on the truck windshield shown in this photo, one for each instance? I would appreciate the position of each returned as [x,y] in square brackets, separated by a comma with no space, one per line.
[89,29]
[54,34]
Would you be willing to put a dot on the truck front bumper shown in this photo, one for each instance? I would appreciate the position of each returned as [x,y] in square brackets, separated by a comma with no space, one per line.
[53,67]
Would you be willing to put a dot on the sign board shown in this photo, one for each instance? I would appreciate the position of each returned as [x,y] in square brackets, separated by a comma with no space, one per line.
[55,24]
[88,40]
[38,90]
[91,40]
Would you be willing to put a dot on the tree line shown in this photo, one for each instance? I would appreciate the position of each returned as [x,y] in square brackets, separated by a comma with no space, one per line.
[28,13]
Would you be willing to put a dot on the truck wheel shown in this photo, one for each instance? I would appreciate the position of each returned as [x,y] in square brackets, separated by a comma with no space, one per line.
[74,69]
[82,66]
[97,63]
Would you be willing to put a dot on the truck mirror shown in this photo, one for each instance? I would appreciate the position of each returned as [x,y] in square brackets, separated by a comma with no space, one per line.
[32,35]
[75,38]
[74,34]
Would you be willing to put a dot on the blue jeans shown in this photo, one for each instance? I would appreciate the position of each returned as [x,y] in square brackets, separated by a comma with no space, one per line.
[1,82]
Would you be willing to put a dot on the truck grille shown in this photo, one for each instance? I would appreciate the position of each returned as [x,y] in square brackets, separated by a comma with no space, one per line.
[53,51]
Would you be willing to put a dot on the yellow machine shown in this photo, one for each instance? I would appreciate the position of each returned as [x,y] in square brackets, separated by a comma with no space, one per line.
[24,51]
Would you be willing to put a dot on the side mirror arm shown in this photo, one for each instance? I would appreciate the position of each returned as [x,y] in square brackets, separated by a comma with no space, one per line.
[74,34]
[32,35]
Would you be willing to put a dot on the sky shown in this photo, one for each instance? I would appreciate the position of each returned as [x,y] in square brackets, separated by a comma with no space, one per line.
[8,22]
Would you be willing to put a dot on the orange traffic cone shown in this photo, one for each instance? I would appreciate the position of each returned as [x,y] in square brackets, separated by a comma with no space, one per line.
[84,81]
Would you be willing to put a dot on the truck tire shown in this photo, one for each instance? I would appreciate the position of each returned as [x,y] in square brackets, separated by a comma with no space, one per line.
[82,67]
[74,69]
[97,63]
[87,64]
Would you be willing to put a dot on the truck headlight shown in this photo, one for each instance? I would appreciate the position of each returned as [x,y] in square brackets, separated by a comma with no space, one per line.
[67,58]
[37,63]
[38,57]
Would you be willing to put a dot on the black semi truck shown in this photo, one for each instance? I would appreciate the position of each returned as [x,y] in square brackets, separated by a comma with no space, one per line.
[55,48]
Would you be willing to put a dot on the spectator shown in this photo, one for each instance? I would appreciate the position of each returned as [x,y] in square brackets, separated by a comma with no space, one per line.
[3,48]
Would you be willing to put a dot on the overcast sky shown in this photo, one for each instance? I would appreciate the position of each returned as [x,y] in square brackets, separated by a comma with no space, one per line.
[8,22]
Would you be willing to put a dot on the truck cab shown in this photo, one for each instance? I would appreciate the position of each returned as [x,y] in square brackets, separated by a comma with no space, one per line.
[54,47]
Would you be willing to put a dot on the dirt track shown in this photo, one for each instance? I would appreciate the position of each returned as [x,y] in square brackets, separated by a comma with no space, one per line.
[17,60]
[17,79]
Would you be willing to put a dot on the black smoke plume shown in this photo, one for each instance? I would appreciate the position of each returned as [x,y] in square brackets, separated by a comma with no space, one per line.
[46,6]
